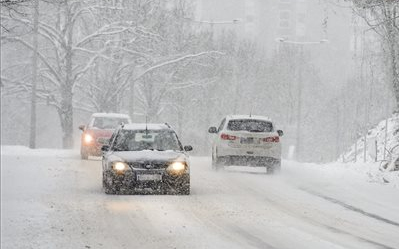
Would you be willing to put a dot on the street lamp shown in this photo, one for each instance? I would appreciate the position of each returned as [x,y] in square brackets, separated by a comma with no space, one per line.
[234,21]
[281,39]
[300,85]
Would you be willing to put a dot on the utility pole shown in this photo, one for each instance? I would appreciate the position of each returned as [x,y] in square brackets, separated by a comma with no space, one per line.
[386,129]
[32,136]
[338,136]
[299,106]
[385,138]
[300,86]
[212,24]
[366,103]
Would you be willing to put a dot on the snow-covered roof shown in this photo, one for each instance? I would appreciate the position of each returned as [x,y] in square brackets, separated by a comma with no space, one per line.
[110,115]
[142,126]
[254,117]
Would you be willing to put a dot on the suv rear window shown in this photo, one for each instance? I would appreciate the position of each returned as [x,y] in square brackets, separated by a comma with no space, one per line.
[250,125]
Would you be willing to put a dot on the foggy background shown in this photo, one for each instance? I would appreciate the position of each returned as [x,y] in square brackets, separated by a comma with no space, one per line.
[314,66]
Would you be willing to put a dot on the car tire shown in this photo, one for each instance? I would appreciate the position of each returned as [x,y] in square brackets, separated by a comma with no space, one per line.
[84,155]
[185,191]
[275,168]
[107,188]
[216,165]
[180,189]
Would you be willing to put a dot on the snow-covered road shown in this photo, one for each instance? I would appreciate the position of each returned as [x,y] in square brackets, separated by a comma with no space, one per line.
[52,199]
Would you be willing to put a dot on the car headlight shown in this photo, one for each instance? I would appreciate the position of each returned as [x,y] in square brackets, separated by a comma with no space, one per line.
[88,138]
[120,167]
[176,168]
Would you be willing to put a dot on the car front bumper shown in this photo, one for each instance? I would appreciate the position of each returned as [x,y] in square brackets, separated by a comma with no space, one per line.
[129,182]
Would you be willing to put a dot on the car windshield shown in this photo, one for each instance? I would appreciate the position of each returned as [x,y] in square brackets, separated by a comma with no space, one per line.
[250,125]
[107,122]
[137,140]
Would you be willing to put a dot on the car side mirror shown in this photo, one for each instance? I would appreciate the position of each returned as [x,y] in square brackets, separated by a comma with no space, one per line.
[280,133]
[105,148]
[188,148]
[213,130]
[82,127]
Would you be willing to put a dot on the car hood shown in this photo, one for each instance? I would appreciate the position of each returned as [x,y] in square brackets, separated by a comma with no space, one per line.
[147,155]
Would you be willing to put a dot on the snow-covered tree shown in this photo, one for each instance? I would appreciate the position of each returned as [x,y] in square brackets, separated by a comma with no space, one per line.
[79,40]
[382,16]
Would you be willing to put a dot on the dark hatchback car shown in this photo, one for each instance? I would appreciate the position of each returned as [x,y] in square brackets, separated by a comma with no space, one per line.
[145,159]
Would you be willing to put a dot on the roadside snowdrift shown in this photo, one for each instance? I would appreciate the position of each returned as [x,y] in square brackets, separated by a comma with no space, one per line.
[375,145]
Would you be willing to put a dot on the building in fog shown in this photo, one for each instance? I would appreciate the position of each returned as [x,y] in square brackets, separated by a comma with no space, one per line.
[266,20]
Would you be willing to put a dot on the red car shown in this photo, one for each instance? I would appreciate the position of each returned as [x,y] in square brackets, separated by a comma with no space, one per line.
[98,131]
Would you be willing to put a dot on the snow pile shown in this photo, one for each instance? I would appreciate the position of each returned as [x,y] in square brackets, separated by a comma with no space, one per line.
[373,173]
[346,172]
[375,142]
[13,150]
[386,130]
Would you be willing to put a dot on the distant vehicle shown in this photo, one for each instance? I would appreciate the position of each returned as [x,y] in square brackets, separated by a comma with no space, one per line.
[145,159]
[246,141]
[98,131]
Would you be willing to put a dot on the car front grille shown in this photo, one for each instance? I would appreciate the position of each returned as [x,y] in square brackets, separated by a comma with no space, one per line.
[149,165]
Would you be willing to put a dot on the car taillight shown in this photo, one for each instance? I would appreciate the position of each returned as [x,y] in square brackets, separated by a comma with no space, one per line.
[275,139]
[227,137]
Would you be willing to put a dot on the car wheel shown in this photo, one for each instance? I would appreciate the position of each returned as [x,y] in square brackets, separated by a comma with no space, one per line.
[107,188]
[275,168]
[185,191]
[216,164]
[84,155]
[180,189]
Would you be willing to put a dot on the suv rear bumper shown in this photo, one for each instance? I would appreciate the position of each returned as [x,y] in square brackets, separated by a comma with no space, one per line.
[254,161]
[274,151]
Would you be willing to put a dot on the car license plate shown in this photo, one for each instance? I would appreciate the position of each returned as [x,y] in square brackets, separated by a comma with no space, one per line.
[149,177]
[247,140]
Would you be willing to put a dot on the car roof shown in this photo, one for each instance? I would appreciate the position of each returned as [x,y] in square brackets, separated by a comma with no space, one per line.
[110,115]
[250,117]
[143,126]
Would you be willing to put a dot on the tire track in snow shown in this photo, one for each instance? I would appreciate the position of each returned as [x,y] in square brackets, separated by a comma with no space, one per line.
[230,231]
[339,231]
[350,207]
[278,204]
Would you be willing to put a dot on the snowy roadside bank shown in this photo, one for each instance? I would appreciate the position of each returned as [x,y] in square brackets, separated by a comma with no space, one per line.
[367,172]
[381,144]
[17,150]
